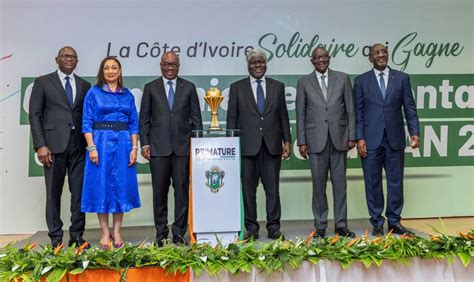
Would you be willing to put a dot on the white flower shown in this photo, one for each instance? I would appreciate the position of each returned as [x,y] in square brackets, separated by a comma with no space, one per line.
[224,258]
[46,269]
[361,243]
[262,257]
[85,264]
[203,258]
[311,253]
[468,243]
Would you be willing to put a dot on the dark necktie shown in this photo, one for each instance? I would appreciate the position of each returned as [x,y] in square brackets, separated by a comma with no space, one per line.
[382,85]
[170,94]
[260,97]
[68,90]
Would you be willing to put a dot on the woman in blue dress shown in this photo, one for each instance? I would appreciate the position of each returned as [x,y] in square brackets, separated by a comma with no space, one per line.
[110,126]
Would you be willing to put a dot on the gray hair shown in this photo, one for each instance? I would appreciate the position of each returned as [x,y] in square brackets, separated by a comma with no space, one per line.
[256,52]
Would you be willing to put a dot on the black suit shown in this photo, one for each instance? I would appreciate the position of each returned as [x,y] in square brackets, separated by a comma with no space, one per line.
[168,132]
[261,138]
[52,120]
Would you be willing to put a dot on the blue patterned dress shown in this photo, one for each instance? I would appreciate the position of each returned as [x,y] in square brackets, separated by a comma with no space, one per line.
[111,186]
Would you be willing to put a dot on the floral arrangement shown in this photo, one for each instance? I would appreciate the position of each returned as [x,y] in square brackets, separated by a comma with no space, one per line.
[34,262]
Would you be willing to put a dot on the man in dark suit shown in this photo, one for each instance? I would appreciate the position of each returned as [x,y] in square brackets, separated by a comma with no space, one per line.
[325,122]
[56,126]
[169,112]
[380,95]
[257,107]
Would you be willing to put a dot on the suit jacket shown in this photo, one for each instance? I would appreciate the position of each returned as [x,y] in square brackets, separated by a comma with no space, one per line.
[375,114]
[272,126]
[169,130]
[317,117]
[51,116]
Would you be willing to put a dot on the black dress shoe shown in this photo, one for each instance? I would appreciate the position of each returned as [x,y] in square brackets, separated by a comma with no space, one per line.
[78,241]
[320,233]
[56,242]
[377,231]
[399,229]
[276,235]
[160,241]
[251,236]
[178,240]
[344,231]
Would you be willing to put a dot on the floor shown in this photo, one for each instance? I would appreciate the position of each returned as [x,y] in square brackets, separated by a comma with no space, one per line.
[292,229]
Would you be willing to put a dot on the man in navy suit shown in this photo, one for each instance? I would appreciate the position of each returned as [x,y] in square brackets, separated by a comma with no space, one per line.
[380,95]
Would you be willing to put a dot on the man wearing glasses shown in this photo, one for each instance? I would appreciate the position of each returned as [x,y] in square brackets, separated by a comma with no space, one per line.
[325,123]
[55,114]
[169,112]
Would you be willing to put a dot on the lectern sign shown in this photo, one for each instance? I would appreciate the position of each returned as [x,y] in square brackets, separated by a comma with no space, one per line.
[215,189]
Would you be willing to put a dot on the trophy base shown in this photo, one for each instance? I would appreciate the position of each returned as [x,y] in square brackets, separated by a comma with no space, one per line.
[212,128]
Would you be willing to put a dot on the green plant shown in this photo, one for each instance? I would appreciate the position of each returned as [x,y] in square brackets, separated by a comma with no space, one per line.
[32,262]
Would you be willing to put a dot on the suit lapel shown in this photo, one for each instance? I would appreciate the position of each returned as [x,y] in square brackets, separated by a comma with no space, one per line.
[59,86]
[78,90]
[160,86]
[270,92]
[390,84]
[375,85]
[249,92]
[177,93]
[331,83]
[314,81]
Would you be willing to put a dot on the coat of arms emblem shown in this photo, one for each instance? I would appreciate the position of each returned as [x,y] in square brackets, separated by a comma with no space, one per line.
[215,178]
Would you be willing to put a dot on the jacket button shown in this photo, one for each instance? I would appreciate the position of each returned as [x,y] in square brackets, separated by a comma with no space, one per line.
[260,129]
[261,118]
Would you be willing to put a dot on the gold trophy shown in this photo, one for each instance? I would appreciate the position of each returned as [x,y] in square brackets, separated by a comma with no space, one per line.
[214,98]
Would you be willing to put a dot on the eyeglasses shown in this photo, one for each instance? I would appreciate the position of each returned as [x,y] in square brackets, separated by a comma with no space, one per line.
[379,52]
[169,65]
[68,57]
[320,58]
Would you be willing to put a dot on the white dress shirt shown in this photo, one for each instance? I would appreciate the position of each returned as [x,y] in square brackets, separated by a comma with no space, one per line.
[167,87]
[385,76]
[254,84]
[318,75]
[72,81]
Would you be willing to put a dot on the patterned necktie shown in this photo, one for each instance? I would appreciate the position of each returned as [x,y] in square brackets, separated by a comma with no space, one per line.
[382,85]
[170,94]
[68,90]
[260,96]
[323,87]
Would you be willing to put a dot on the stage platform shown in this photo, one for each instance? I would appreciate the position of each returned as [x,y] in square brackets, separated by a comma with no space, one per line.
[292,229]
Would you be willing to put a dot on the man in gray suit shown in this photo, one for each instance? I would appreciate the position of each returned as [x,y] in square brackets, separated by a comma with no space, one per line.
[55,113]
[169,112]
[325,123]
